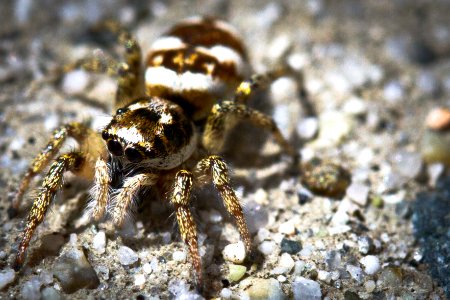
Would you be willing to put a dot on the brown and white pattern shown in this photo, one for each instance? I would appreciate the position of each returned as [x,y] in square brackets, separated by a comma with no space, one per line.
[199,60]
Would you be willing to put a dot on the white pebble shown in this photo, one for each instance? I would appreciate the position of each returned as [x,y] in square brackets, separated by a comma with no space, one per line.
[286,263]
[371,264]
[355,272]
[75,82]
[127,256]
[355,106]
[263,234]
[306,289]
[99,242]
[234,252]
[324,276]
[287,228]
[147,268]
[31,289]
[179,256]
[226,293]
[281,278]
[358,193]
[266,247]
[139,280]
[6,277]
[307,128]
[370,286]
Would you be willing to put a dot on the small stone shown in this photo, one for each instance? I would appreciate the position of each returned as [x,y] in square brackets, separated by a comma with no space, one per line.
[103,272]
[334,126]
[408,164]
[49,293]
[147,268]
[236,272]
[256,215]
[394,198]
[393,92]
[324,276]
[355,106]
[226,293]
[263,234]
[267,247]
[179,256]
[127,256]
[31,289]
[286,263]
[358,193]
[265,289]
[355,273]
[74,271]
[435,171]
[391,276]
[139,280]
[325,178]
[234,252]
[281,278]
[287,228]
[365,244]
[6,277]
[99,242]
[371,264]
[290,246]
[75,82]
[307,128]
[370,286]
[438,119]
[180,290]
[299,267]
[333,260]
[306,289]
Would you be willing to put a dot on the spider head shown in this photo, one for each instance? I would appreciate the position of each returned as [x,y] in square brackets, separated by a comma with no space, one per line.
[153,131]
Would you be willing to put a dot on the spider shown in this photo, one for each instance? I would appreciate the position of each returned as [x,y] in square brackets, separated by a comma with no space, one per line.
[167,131]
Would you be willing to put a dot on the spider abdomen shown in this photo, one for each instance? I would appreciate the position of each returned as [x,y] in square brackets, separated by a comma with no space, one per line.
[195,63]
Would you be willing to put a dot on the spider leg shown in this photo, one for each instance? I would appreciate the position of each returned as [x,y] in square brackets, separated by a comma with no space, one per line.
[128,71]
[224,117]
[127,193]
[52,182]
[100,191]
[215,168]
[180,199]
[76,130]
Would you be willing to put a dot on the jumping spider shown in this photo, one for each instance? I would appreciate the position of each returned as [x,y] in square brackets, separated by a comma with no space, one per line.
[166,132]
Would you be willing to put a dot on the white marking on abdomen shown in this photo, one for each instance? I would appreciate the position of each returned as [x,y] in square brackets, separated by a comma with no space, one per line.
[167,43]
[180,83]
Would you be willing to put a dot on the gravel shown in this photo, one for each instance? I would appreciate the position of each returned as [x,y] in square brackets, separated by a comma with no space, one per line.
[234,252]
[127,256]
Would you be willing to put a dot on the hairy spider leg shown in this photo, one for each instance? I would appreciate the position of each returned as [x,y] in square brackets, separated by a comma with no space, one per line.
[75,130]
[52,182]
[224,117]
[180,199]
[130,81]
[124,199]
[81,162]
[215,169]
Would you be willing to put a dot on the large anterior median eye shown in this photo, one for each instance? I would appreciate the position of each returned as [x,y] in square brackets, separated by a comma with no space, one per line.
[133,155]
[115,148]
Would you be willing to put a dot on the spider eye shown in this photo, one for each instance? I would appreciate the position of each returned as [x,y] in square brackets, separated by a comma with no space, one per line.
[120,111]
[105,135]
[133,155]
[114,147]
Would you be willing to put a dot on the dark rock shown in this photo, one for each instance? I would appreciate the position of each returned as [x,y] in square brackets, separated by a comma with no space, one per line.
[289,246]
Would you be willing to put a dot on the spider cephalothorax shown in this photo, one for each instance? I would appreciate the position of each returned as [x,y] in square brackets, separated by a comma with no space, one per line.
[151,130]
[155,133]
